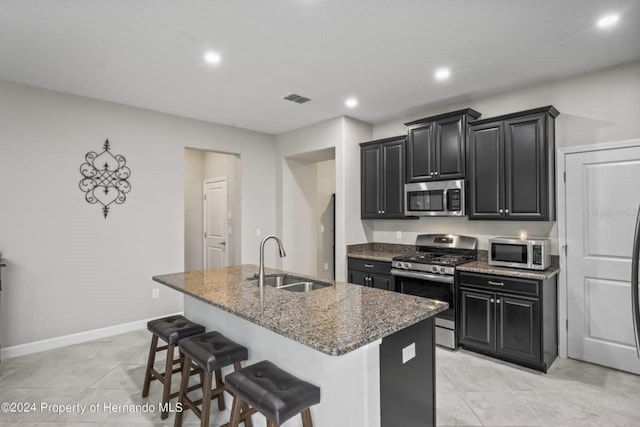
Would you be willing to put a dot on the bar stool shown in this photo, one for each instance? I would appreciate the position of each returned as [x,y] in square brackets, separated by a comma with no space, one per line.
[171,330]
[209,353]
[274,393]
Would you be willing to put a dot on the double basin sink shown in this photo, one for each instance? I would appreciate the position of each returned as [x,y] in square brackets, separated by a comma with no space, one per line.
[292,283]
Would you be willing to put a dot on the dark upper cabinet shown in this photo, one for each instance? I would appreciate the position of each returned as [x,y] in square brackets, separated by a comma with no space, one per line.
[382,178]
[511,166]
[436,146]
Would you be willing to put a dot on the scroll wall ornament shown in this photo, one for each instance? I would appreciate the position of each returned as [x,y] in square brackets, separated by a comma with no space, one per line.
[105,178]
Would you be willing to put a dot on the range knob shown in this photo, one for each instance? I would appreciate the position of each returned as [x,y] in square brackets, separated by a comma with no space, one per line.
[442,270]
[434,269]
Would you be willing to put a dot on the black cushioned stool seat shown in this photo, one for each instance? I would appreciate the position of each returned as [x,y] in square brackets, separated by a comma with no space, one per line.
[209,352]
[213,351]
[171,330]
[174,328]
[274,393]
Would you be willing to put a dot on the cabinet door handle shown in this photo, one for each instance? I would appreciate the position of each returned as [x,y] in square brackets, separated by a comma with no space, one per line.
[498,300]
[496,283]
[431,174]
[506,211]
[501,211]
[368,266]
[435,173]
[492,300]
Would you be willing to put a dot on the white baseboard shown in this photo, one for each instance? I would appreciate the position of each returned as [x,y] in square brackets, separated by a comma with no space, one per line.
[80,337]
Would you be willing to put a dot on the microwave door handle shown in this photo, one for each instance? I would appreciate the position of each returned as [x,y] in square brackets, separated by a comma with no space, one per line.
[446,200]
[635,259]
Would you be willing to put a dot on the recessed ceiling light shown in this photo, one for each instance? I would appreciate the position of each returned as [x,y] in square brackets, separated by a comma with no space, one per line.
[442,74]
[608,20]
[351,102]
[212,58]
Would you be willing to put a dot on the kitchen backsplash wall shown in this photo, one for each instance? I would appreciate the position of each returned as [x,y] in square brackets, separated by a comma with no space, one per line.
[385,231]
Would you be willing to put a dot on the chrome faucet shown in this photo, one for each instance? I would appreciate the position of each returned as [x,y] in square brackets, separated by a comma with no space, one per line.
[282,255]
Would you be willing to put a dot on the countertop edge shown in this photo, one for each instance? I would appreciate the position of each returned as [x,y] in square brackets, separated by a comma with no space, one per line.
[384,258]
[331,351]
[502,271]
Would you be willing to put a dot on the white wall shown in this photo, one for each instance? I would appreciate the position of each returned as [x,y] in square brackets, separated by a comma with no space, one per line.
[596,107]
[193,177]
[326,187]
[299,216]
[343,134]
[199,166]
[71,270]
[218,165]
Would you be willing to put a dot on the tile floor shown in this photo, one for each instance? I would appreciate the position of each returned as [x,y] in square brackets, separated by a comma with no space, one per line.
[472,390]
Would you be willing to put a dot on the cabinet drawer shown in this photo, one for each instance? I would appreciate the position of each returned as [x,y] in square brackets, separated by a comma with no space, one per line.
[371,266]
[500,283]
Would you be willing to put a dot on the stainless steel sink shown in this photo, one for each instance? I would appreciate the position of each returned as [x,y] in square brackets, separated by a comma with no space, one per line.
[293,283]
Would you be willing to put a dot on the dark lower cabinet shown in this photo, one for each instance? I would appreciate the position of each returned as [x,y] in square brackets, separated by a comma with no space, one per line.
[477,326]
[511,166]
[382,178]
[373,274]
[512,319]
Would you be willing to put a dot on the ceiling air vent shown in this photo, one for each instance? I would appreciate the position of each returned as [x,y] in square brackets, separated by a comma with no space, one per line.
[296,98]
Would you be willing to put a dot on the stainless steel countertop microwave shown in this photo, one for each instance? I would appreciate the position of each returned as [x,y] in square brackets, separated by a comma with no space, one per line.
[532,254]
[437,198]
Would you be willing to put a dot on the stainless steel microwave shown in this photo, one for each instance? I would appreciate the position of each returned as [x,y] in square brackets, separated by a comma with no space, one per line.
[438,198]
[532,254]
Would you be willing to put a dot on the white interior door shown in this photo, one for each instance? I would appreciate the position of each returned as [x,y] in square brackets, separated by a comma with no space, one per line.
[602,200]
[216,251]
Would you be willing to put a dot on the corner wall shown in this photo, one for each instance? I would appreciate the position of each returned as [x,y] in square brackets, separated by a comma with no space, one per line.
[70,270]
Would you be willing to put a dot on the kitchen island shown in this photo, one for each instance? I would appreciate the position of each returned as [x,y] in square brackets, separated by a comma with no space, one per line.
[370,351]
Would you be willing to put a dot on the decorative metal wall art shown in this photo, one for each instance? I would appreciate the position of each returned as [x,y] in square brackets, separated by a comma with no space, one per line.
[105,178]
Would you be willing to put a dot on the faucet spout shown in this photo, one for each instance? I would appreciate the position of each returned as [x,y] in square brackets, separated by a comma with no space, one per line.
[282,254]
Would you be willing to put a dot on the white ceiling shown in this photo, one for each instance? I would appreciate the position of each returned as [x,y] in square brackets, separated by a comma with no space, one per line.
[148,53]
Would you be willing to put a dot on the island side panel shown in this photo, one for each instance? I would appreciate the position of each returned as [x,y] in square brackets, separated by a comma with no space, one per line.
[407,384]
[350,384]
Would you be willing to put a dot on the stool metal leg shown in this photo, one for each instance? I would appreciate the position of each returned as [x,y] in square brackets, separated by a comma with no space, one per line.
[184,385]
[206,399]
[166,393]
[150,362]
[306,418]
[218,386]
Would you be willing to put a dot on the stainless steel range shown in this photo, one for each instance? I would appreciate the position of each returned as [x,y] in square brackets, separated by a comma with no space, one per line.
[430,273]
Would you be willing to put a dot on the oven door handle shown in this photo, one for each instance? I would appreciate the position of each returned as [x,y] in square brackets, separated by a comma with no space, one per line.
[424,276]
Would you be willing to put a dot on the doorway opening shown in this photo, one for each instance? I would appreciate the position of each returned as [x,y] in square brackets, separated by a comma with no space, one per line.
[212,209]
[308,215]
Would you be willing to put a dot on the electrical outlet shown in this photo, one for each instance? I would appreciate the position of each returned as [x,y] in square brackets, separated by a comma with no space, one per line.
[399,235]
[155,293]
[326,265]
[258,232]
[321,228]
[408,353]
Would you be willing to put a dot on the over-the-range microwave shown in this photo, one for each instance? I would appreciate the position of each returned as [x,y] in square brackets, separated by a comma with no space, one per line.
[438,198]
[532,254]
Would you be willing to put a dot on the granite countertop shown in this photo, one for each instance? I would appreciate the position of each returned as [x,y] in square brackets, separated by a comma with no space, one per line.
[334,320]
[379,251]
[482,266]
